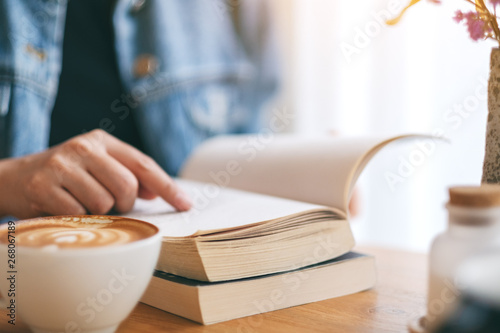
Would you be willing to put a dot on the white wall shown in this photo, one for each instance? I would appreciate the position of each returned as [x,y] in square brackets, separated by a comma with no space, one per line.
[413,77]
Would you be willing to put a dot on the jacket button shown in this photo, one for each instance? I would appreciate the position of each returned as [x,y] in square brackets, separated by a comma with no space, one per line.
[137,5]
[144,65]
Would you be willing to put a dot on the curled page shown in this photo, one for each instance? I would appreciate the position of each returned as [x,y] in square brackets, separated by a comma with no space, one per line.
[319,170]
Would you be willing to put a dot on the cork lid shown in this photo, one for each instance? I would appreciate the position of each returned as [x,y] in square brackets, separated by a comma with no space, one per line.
[486,195]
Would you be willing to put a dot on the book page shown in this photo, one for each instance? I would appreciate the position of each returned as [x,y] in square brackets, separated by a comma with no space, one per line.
[320,170]
[215,208]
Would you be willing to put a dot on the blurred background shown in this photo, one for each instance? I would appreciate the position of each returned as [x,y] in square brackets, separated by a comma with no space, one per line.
[347,71]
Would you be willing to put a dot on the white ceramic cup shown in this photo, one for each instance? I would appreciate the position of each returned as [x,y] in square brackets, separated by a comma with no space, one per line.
[89,290]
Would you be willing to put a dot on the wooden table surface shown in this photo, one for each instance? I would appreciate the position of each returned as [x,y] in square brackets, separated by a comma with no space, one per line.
[398,297]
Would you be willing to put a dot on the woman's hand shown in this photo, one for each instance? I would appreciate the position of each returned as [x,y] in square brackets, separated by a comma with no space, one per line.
[90,173]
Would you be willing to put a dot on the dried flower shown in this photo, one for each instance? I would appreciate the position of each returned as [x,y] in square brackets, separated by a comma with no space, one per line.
[481,23]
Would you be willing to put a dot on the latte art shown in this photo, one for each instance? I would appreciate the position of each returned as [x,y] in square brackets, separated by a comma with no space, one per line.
[79,232]
[62,237]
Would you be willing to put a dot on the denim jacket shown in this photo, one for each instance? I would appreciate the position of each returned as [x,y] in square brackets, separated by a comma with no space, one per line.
[192,69]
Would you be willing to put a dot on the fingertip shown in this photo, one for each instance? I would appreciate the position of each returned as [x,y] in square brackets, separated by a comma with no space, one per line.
[182,201]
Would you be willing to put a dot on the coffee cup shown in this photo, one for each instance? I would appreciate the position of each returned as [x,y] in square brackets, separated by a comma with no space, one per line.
[75,273]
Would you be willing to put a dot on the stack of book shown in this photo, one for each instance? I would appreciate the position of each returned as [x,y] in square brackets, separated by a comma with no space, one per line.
[268,229]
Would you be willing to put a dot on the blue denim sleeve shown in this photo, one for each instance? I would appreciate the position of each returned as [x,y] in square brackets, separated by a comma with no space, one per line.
[255,24]
[216,70]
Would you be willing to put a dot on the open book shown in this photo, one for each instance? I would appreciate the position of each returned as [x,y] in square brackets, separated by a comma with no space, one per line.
[291,214]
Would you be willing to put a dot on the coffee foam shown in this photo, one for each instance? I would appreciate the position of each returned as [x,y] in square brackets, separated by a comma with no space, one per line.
[78,232]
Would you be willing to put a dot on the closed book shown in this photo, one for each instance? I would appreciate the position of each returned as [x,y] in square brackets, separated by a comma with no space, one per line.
[212,302]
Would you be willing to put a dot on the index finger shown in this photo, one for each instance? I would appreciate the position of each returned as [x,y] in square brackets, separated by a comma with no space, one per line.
[149,174]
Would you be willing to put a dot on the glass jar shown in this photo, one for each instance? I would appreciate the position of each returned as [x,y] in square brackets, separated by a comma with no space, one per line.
[478,310]
[473,226]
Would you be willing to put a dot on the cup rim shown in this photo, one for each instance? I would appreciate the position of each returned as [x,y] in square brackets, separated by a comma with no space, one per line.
[90,250]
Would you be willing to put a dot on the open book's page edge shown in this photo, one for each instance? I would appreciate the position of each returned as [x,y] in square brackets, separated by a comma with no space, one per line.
[365,159]
[198,233]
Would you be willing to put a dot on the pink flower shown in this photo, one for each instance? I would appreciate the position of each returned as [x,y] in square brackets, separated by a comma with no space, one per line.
[475,25]
[495,2]
[476,29]
[459,16]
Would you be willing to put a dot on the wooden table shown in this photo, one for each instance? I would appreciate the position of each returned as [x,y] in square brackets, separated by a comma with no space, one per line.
[398,297]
